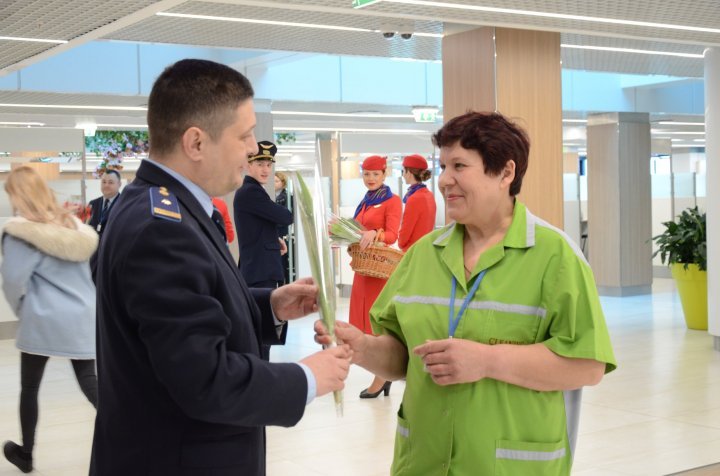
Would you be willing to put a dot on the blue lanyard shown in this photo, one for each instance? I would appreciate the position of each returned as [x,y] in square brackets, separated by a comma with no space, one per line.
[454,320]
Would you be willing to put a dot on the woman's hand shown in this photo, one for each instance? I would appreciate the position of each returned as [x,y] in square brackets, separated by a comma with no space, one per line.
[345,334]
[368,237]
[451,361]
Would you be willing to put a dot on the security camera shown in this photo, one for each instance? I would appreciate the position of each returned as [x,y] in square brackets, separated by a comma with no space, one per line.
[388,34]
[406,35]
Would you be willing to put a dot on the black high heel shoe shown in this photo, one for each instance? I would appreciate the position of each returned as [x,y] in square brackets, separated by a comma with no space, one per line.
[385,389]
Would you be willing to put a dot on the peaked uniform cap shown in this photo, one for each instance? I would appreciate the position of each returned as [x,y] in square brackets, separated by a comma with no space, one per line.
[266,151]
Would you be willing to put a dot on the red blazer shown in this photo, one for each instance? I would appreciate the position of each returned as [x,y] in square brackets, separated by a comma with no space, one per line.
[418,218]
[365,289]
[220,204]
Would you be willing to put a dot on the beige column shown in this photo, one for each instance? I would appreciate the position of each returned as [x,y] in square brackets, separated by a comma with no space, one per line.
[516,73]
[619,202]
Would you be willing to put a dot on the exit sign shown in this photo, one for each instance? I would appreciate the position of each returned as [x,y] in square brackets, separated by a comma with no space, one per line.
[425,114]
[363,3]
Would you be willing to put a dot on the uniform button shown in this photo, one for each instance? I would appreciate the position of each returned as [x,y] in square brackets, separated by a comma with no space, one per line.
[446,412]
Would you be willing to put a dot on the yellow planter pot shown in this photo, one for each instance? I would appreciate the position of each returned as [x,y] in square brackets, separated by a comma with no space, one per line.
[692,286]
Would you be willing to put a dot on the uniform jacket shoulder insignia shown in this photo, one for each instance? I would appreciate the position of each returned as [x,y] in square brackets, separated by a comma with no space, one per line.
[164,204]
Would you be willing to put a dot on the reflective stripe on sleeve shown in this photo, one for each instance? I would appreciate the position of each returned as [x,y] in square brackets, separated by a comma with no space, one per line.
[479,305]
[403,431]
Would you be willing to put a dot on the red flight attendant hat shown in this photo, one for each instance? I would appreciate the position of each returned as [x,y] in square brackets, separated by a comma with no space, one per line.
[415,161]
[374,162]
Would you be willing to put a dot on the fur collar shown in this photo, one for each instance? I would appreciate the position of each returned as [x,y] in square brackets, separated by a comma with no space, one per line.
[55,240]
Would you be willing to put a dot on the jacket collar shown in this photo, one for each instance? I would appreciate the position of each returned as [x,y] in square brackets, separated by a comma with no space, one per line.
[55,240]
[520,234]
[154,175]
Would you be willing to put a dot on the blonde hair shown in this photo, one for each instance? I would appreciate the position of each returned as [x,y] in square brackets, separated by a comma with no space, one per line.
[35,201]
[282,177]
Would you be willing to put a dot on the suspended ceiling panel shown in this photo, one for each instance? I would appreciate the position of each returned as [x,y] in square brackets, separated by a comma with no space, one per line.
[55,20]
[287,38]
[134,20]
[697,13]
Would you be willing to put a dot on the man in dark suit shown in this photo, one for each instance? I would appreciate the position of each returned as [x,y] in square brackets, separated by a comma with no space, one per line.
[110,187]
[182,387]
[257,218]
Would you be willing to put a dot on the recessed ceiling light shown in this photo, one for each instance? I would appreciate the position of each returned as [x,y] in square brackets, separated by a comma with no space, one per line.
[68,106]
[673,123]
[657,131]
[573,121]
[9,123]
[126,126]
[351,129]
[631,50]
[342,114]
[36,40]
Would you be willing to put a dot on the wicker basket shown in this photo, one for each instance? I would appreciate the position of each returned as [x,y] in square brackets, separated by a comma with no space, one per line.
[376,261]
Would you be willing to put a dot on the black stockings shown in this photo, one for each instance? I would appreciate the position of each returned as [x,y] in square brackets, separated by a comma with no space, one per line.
[32,368]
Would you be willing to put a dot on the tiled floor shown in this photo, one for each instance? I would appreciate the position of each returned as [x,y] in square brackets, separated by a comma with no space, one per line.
[659,413]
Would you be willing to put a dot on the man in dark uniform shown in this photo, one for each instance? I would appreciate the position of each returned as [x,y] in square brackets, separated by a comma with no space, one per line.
[257,218]
[110,187]
[182,387]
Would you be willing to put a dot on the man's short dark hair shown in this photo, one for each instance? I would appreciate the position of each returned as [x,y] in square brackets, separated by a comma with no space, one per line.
[197,93]
[113,172]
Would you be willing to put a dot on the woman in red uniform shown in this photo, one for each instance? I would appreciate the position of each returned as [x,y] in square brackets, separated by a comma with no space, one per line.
[419,215]
[379,212]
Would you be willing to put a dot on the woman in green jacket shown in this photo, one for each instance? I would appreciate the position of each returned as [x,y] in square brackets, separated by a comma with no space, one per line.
[494,321]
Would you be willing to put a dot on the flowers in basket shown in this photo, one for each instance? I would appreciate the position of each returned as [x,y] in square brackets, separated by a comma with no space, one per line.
[344,231]
[376,261]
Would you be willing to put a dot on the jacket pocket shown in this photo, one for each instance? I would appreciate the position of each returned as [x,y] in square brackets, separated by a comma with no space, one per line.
[402,455]
[513,458]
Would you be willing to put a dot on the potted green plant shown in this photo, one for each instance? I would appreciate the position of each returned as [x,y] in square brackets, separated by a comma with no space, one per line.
[683,245]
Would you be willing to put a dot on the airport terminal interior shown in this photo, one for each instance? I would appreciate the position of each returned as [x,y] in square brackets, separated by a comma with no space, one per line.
[338,80]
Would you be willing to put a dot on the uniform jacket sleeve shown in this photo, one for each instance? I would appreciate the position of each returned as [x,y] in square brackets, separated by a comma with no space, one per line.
[257,202]
[393,214]
[19,262]
[186,332]
[95,207]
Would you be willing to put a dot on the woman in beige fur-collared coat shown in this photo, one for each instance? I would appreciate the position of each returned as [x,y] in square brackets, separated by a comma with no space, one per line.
[46,280]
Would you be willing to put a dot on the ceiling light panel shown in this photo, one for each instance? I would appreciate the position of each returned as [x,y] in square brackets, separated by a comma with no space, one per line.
[132,107]
[55,19]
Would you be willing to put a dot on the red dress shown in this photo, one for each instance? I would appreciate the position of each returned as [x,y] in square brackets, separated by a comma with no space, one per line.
[365,289]
[418,219]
